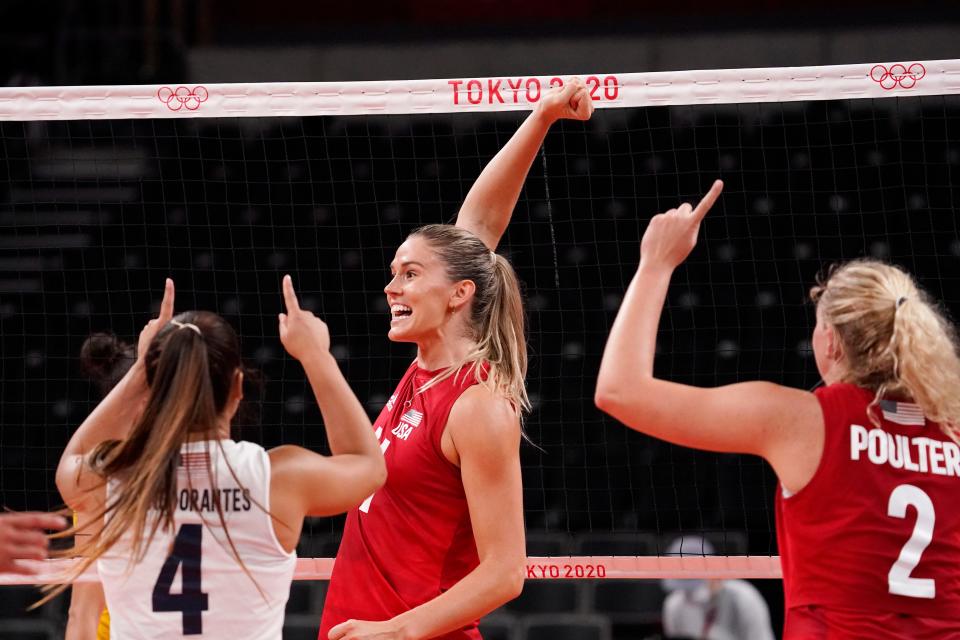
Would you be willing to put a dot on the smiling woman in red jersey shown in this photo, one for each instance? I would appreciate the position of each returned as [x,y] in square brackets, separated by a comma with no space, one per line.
[441,543]
[868,464]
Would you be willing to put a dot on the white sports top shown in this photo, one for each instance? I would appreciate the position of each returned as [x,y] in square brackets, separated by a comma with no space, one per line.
[189,583]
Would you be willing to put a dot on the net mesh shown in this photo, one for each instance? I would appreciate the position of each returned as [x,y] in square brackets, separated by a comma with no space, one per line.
[94,214]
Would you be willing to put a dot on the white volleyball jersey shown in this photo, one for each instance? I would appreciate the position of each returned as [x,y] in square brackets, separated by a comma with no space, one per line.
[189,583]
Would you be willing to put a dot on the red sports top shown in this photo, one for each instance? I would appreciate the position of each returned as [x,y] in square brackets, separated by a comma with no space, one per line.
[871,546]
[412,540]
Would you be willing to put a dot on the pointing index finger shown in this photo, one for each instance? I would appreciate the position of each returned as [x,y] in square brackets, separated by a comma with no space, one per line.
[708,200]
[166,305]
[289,297]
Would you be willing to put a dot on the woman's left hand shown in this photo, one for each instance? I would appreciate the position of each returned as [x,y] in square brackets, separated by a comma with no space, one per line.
[364,630]
[150,330]
[671,236]
[569,102]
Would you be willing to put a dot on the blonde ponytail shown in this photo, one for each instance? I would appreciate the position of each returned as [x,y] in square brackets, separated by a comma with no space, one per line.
[896,341]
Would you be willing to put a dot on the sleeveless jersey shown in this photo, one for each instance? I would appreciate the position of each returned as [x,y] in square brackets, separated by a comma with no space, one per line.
[412,539]
[189,582]
[876,532]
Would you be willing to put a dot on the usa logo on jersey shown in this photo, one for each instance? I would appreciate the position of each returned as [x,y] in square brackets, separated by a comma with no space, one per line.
[408,421]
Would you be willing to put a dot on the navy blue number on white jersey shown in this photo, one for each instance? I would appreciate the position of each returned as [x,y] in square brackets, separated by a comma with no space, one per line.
[191,601]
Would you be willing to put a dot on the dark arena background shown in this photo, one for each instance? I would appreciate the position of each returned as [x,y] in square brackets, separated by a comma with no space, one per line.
[94,214]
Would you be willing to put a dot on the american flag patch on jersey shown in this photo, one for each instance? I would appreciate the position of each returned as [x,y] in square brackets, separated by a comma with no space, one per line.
[412,417]
[905,413]
[194,460]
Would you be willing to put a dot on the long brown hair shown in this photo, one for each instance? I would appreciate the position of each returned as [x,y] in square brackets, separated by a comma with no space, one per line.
[190,367]
[497,320]
[896,341]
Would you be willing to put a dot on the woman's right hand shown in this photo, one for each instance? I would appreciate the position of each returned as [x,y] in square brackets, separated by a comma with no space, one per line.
[671,236]
[301,332]
[152,328]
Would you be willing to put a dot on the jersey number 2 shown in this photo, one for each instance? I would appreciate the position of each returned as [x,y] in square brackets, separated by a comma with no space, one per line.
[898,580]
[191,601]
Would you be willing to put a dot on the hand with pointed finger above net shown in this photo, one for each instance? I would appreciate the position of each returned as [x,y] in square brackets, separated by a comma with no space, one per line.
[671,236]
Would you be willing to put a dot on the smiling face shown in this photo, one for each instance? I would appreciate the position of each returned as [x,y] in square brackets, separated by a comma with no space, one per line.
[419,294]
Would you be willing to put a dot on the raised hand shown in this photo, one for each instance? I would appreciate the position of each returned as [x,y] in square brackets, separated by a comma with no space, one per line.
[22,538]
[150,330]
[671,236]
[571,101]
[301,332]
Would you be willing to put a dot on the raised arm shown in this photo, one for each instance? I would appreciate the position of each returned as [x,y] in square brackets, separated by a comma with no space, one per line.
[488,206]
[112,419]
[307,483]
[485,432]
[776,422]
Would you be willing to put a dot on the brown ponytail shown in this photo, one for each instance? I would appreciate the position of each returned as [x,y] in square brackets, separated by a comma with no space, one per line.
[190,368]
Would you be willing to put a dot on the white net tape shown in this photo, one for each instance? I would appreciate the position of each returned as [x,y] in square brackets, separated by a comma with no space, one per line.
[469,95]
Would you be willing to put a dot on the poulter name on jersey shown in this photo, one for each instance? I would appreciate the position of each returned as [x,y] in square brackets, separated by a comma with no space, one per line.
[919,454]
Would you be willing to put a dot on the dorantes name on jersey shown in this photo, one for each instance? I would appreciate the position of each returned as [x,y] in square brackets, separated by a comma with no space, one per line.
[206,500]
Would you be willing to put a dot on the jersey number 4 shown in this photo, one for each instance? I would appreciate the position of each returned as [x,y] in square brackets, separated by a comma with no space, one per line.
[899,581]
[191,601]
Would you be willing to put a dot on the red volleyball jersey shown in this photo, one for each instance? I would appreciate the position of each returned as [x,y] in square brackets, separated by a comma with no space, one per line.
[876,533]
[412,539]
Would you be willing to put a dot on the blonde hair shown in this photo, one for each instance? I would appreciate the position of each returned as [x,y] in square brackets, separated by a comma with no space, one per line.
[896,341]
[190,367]
[496,315]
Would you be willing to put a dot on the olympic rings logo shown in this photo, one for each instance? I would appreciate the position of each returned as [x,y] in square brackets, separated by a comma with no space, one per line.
[898,75]
[183,97]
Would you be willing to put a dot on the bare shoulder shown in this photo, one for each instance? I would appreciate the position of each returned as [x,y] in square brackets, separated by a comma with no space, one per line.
[481,424]
[287,456]
[479,409]
[284,452]
[796,446]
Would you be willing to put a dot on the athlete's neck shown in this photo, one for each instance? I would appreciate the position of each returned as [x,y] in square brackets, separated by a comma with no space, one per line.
[222,431]
[443,352]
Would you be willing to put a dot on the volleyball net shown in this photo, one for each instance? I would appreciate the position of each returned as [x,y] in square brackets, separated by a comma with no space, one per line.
[225,188]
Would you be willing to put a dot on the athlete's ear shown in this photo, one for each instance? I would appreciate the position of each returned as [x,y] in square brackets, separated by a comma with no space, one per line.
[238,383]
[236,392]
[834,345]
[461,294]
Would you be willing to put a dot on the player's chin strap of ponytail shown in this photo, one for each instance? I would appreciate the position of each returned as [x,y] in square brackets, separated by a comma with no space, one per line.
[186,325]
